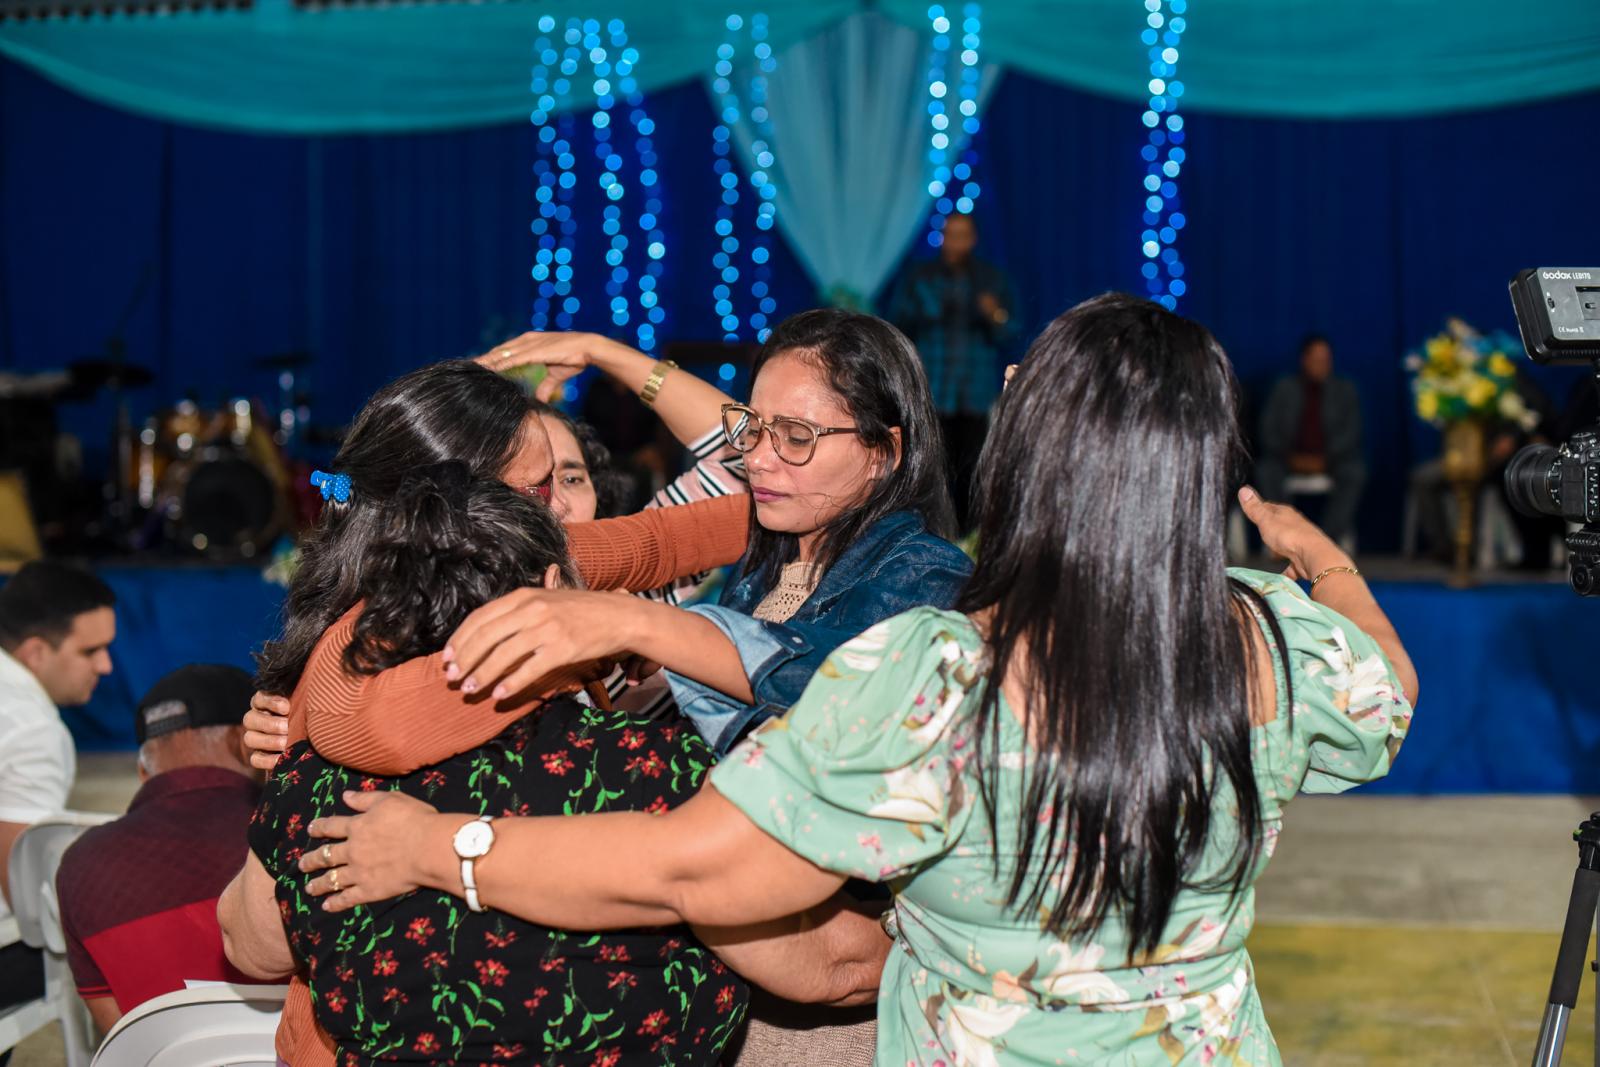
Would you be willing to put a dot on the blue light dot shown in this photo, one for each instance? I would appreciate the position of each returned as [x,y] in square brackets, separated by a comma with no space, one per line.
[1150,270]
[964,205]
[730,244]
[1169,255]
[1168,234]
[1175,269]
[657,250]
[1151,119]
[758,289]
[546,24]
[1148,153]
[570,305]
[730,323]
[730,274]
[658,315]
[1179,220]
[1151,249]
[726,372]
[1151,182]
[769,305]
[1148,37]
[1174,122]
[720,260]
[759,255]
[601,120]
[1153,203]
[1178,287]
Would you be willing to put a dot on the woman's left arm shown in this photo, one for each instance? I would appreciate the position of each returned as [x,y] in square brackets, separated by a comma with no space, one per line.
[252,930]
[703,862]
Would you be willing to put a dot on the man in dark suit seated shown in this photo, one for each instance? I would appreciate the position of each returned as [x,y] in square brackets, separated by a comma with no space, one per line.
[1311,425]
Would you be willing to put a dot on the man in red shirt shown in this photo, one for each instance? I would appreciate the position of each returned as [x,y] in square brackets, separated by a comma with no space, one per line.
[139,895]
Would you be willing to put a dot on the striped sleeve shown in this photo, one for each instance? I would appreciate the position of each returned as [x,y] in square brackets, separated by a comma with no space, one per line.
[718,471]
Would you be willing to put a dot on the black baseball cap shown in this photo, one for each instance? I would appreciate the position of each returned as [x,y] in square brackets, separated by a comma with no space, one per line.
[201,694]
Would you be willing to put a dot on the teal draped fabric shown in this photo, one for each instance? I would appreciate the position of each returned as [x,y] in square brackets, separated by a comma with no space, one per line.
[447,65]
[1322,59]
[365,69]
[849,137]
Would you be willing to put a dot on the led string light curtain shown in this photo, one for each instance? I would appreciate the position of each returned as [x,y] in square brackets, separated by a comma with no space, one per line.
[731,111]
[1163,154]
[954,188]
[627,178]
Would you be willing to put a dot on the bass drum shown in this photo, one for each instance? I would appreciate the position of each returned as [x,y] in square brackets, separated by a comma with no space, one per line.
[228,506]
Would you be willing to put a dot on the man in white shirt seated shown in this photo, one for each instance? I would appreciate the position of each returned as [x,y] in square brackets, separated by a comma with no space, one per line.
[56,626]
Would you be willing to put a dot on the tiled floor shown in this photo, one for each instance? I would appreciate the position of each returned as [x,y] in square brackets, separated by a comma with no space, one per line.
[1391,930]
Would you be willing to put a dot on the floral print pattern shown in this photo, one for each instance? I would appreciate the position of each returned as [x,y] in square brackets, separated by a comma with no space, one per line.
[421,979]
[870,775]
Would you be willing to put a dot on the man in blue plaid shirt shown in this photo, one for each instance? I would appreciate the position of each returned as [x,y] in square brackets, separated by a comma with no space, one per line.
[957,309]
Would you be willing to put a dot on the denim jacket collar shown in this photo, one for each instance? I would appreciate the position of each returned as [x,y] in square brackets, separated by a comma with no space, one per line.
[853,566]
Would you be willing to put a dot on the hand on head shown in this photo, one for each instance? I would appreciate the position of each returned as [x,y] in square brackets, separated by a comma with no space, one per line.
[563,355]
[517,639]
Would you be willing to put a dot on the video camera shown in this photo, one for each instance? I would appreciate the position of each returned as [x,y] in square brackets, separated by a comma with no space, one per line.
[1558,314]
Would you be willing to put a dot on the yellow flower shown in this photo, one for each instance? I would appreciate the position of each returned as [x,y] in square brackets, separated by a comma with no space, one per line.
[1481,392]
[1441,350]
[1428,405]
[1500,366]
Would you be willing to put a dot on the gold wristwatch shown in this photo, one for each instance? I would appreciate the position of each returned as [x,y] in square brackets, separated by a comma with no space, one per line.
[652,384]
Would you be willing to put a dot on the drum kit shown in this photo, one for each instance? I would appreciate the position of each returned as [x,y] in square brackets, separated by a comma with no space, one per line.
[216,481]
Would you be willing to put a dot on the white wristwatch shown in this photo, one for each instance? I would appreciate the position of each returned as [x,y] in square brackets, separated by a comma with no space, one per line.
[472,842]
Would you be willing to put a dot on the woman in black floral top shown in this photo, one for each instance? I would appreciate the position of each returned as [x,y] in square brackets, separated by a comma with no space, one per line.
[421,978]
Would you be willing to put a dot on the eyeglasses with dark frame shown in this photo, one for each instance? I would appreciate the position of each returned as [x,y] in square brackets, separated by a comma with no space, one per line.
[543,490]
[794,440]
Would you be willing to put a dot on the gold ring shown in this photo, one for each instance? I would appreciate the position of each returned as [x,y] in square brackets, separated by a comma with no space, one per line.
[506,353]
[327,854]
[333,879]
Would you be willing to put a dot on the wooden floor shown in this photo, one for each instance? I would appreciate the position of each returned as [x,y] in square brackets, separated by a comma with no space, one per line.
[1391,930]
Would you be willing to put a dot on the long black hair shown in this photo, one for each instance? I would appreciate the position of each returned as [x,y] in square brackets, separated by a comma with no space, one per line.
[1103,496]
[446,544]
[449,411]
[876,372]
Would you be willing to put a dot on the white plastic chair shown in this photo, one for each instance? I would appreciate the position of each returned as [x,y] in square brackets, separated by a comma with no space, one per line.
[218,1025]
[35,856]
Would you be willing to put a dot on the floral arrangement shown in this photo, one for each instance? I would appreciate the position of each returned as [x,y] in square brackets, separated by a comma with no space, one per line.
[1461,374]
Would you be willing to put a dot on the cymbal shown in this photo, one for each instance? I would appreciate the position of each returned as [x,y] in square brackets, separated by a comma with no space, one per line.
[89,375]
[283,361]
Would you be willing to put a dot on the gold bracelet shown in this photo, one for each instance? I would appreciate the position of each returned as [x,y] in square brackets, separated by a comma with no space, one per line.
[1333,570]
[652,384]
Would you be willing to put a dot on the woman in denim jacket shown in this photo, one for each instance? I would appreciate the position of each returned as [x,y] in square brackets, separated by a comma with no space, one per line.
[847,479]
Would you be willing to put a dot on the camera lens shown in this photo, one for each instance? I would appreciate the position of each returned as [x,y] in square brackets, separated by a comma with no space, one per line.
[1530,478]
[1582,579]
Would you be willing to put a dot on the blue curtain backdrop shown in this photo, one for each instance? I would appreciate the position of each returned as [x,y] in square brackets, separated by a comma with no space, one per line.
[381,253]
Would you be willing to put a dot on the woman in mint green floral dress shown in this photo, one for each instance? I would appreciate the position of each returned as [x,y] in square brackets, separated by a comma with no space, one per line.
[1070,785]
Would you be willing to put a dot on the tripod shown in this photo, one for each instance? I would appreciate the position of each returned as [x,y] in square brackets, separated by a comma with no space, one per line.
[1581,917]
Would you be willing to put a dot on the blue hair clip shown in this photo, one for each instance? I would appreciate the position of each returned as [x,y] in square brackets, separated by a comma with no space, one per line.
[333,486]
